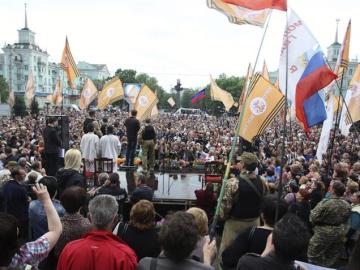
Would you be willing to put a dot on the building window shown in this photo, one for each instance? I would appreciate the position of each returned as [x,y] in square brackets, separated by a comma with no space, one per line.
[34,68]
[26,77]
[26,67]
[350,71]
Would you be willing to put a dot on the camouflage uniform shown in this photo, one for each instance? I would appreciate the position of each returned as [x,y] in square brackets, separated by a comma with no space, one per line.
[330,219]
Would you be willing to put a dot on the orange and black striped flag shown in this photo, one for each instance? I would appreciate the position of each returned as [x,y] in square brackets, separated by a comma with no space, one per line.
[68,65]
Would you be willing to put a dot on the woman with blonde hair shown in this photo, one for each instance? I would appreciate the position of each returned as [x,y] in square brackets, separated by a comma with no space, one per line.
[201,221]
[70,175]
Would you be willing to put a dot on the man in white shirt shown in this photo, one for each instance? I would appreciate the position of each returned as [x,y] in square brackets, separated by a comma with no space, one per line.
[89,147]
[110,146]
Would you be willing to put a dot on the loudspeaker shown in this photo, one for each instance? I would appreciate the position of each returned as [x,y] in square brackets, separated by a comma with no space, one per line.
[63,129]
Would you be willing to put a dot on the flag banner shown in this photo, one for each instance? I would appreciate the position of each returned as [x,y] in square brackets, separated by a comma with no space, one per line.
[88,94]
[145,102]
[56,97]
[354,102]
[111,92]
[260,4]
[68,65]
[154,111]
[245,87]
[345,120]
[171,102]
[131,91]
[306,70]
[341,67]
[198,96]
[265,72]
[342,62]
[325,131]
[11,98]
[219,94]
[262,105]
[29,90]
[239,15]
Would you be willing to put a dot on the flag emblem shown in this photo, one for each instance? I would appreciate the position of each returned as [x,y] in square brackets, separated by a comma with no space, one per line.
[110,92]
[258,106]
[87,93]
[143,101]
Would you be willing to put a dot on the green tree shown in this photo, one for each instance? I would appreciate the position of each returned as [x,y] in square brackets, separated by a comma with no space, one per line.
[126,75]
[19,108]
[34,108]
[4,90]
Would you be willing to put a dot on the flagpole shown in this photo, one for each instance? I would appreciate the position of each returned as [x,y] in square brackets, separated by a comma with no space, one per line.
[280,185]
[233,145]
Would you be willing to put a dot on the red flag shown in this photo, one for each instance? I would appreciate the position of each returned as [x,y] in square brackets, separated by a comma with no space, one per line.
[259,4]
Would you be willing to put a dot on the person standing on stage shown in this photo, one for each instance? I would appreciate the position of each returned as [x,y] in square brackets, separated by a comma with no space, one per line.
[132,128]
[89,147]
[89,120]
[110,146]
[52,144]
[147,139]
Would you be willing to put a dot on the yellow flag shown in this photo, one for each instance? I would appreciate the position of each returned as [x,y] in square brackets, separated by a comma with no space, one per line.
[11,98]
[56,97]
[354,103]
[145,102]
[111,92]
[262,105]
[240,15]
[68,64]
[29,90]
[245,87]
[265,72]
[88,94]
[221,95]
[154,111]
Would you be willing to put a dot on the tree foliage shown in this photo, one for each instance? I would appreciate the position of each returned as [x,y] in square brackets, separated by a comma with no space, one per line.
[4,90]
[34,107]
[19,108]
[231,84]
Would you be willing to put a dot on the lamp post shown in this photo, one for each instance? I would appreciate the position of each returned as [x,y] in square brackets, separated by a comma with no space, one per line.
[47,106]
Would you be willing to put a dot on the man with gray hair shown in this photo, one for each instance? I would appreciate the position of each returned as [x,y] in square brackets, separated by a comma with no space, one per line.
[99,249]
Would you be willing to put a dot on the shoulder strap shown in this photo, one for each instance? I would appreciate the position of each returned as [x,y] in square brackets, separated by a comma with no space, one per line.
[153,264]
[251,184]
[251,236]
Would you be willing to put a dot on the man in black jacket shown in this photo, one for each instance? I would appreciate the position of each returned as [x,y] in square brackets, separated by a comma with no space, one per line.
[132,128]
[52,144]
[89,120]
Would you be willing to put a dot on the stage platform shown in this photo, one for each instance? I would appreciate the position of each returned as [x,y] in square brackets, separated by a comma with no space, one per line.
[172,186]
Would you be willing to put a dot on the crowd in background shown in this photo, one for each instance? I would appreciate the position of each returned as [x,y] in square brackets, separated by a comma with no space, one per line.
[316,220]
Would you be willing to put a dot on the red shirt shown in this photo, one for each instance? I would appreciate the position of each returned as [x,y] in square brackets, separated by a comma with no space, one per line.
[97,250]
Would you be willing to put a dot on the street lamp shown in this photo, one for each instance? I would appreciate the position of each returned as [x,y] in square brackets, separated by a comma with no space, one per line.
[47,107]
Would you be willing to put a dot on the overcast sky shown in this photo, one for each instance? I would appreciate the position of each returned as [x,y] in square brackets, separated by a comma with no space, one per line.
[168,39]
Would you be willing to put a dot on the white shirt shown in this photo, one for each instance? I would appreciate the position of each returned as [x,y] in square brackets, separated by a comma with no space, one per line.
[110,147]
[89,146]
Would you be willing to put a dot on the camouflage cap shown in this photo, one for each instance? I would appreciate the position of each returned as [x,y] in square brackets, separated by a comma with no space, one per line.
[249,158]
[11,164]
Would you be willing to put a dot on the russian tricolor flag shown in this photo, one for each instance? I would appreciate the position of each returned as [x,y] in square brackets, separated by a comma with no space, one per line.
[310,108]
[199,95]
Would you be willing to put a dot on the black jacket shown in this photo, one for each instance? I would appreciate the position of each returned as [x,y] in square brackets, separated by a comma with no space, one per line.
[67,178]
[132,128]
[86,122]
[52,142]
[270,262]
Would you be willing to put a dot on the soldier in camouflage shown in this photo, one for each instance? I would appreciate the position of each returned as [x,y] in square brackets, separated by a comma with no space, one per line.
[330,220]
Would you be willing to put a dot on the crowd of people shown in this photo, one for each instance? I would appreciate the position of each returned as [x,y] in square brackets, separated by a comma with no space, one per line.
[52,219]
